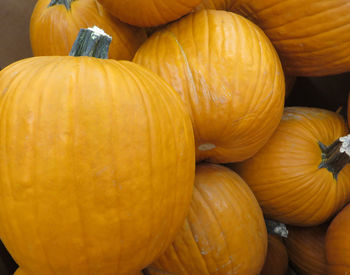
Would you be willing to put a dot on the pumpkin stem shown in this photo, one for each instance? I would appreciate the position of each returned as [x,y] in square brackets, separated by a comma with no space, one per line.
[67,3]
[92,42]
[276,228]
[335,156]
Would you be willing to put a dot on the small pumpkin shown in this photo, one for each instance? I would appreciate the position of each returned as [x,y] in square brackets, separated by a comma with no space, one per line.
[224,232]
[229,76]
[276,261]
[306,249]
[96,162]
[311,36]
[338,244]
[301,177]
[148,13]
[55,24]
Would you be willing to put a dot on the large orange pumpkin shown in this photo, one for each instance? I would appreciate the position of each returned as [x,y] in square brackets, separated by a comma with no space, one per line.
[312,37]
[306,249]
[301,176]
[55,24]
[96,163]
[276,261]
[147,13]
[229,76]
[224,232]
[338,244]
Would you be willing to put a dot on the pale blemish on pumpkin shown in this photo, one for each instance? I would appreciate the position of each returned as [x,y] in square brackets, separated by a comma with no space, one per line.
[206,147]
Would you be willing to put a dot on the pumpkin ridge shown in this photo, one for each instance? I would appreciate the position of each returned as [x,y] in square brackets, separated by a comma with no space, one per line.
[217,222]
[198,249]
[303,18]
[191,78]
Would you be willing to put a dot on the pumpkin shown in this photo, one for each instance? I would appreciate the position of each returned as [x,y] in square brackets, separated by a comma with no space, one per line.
[148,13]
[301,177]
[311,36]
[338,244]
[154,271]
[216,4]
[276,261]
[229,76]
[55,24]
[306,249]
[96,162]
[224,232]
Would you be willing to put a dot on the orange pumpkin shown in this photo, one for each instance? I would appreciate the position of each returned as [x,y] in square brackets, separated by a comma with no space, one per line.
[311,36]
[276,261]
[147,13]
[155,271]
[306,249]
[224,232]
[229,76]
[96,163]
[301,176]
[216,4]
[55,24]
[338,244]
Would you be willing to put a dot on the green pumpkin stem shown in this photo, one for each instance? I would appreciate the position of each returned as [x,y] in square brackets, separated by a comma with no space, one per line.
[67,3]
[335,156]
[92,42]
[277,228]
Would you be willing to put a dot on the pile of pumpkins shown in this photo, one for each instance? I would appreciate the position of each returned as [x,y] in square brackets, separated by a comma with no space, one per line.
[158,141]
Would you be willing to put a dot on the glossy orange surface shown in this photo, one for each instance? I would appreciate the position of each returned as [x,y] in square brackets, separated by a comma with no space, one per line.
[229,76]
[224,232]
[216,4]
[306,249]
[276,262]
[97,165]
[312,37]
[54,29]
[338,244]
[284,175]
[147,13]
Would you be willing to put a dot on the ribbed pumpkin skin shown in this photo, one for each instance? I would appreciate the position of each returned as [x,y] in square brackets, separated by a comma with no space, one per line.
[216,4]
[224,232]
[54,29]
[148,13]
[276,262]
[306,249]
[284,174]
[96,165]
[312,37]
[229,77]
[338,244]
[19,271]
